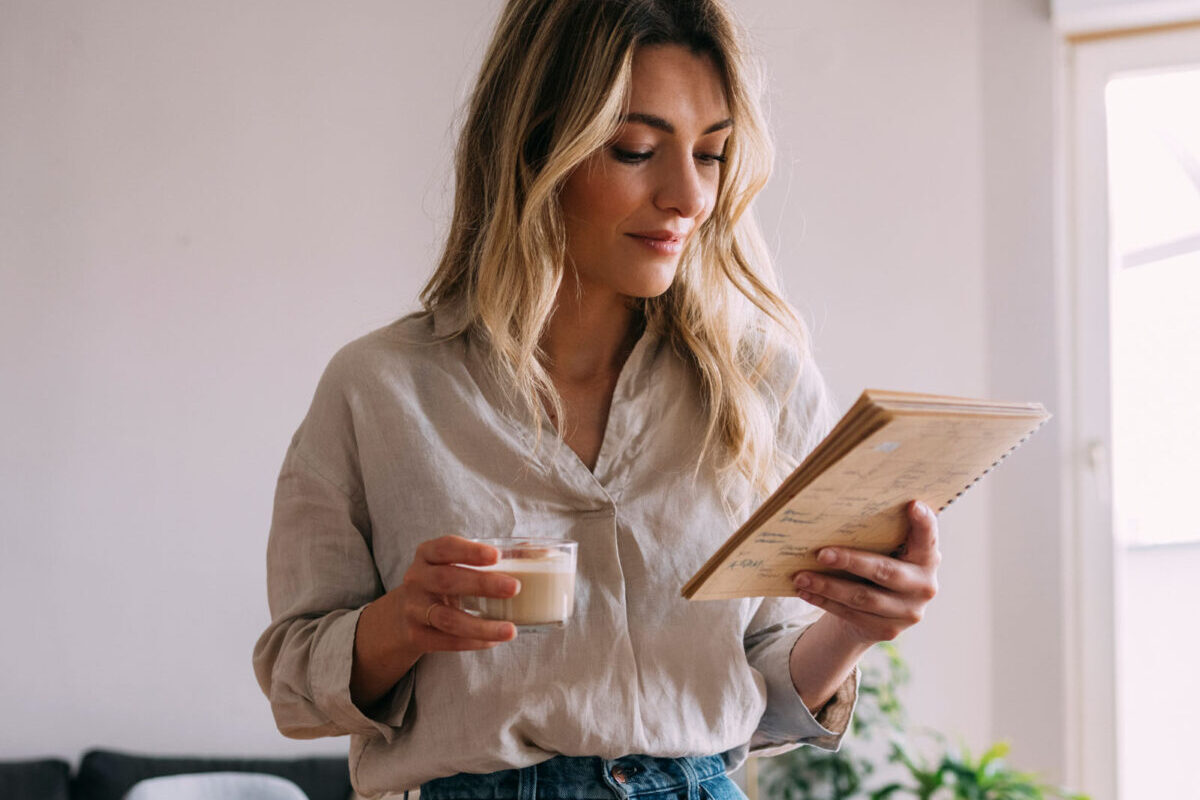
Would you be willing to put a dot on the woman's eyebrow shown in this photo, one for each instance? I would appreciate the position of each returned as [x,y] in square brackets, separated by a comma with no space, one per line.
[660,123]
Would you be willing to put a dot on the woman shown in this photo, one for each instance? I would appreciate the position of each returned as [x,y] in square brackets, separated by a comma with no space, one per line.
[603,357]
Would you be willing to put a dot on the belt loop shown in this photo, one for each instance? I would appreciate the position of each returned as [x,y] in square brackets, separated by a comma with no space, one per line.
[693,780]
[527,783]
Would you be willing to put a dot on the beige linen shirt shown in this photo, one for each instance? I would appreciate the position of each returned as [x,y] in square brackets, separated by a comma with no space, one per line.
[409,437]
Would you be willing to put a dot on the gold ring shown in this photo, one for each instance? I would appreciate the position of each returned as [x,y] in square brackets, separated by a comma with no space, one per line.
[428,611]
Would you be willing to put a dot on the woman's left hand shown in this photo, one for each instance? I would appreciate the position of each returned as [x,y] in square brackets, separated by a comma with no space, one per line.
[898,589]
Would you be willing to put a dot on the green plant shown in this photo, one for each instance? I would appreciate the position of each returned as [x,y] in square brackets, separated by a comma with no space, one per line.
[959,776]
[808,773]
[877,739]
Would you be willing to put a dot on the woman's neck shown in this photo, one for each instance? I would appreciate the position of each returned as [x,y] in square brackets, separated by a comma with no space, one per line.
[588,338]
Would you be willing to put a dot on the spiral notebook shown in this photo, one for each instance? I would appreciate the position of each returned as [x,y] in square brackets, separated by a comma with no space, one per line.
[852,490]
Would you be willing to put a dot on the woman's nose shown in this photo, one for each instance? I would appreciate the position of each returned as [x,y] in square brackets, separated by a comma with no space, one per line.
[682,189]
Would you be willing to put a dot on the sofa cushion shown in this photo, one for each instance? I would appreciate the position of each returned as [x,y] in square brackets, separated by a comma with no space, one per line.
[216,786]
[108,775]
[43,779]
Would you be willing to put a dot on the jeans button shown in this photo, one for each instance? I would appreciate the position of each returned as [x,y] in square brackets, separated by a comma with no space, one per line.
[624,774]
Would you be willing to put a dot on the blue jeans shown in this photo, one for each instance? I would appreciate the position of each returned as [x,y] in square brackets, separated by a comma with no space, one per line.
[571,778]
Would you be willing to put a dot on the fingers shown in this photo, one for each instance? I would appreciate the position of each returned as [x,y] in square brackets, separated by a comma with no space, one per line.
[426,602]
[456,581]
[453,629]
[438,569]
[894,591]
[891,573]
[920,549]
[457,550]
[860,597]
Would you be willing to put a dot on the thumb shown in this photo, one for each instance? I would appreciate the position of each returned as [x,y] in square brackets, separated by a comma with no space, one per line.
[921,547]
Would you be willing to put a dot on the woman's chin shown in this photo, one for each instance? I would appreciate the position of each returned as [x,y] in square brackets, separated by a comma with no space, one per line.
[653,283]
[638,281]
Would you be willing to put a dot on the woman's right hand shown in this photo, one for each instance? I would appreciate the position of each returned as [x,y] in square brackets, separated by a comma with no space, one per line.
[421,615]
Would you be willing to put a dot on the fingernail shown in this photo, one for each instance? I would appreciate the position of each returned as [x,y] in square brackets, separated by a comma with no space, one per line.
[802,581]
[512,585]
[922,509]
[827,556]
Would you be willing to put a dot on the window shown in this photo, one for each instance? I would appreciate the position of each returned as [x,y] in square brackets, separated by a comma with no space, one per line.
[1154,200]
[1136,248]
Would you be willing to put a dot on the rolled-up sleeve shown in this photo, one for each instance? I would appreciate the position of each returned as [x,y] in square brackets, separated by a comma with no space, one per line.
[320,574]
[787,722]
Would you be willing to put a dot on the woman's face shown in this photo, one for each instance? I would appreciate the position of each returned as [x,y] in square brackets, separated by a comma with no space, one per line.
[630,208]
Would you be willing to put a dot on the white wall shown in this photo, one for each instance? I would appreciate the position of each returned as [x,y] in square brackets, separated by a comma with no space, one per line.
[1026,308]
[198,208]
[877,206]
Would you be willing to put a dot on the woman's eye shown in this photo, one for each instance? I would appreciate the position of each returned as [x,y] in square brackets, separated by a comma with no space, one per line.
[638,156]
[631,156]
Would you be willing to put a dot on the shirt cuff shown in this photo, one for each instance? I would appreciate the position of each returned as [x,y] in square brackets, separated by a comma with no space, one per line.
[332,660]
[787,722]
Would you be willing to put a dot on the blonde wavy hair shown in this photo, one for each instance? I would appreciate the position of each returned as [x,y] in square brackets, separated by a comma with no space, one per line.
[552,90]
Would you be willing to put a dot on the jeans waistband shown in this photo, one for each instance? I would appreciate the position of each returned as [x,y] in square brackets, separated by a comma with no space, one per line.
[583,778]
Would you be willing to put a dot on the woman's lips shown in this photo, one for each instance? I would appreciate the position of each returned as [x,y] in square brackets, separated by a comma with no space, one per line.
[663,243]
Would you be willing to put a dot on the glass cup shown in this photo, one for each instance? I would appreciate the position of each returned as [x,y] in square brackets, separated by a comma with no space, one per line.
[546,570]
